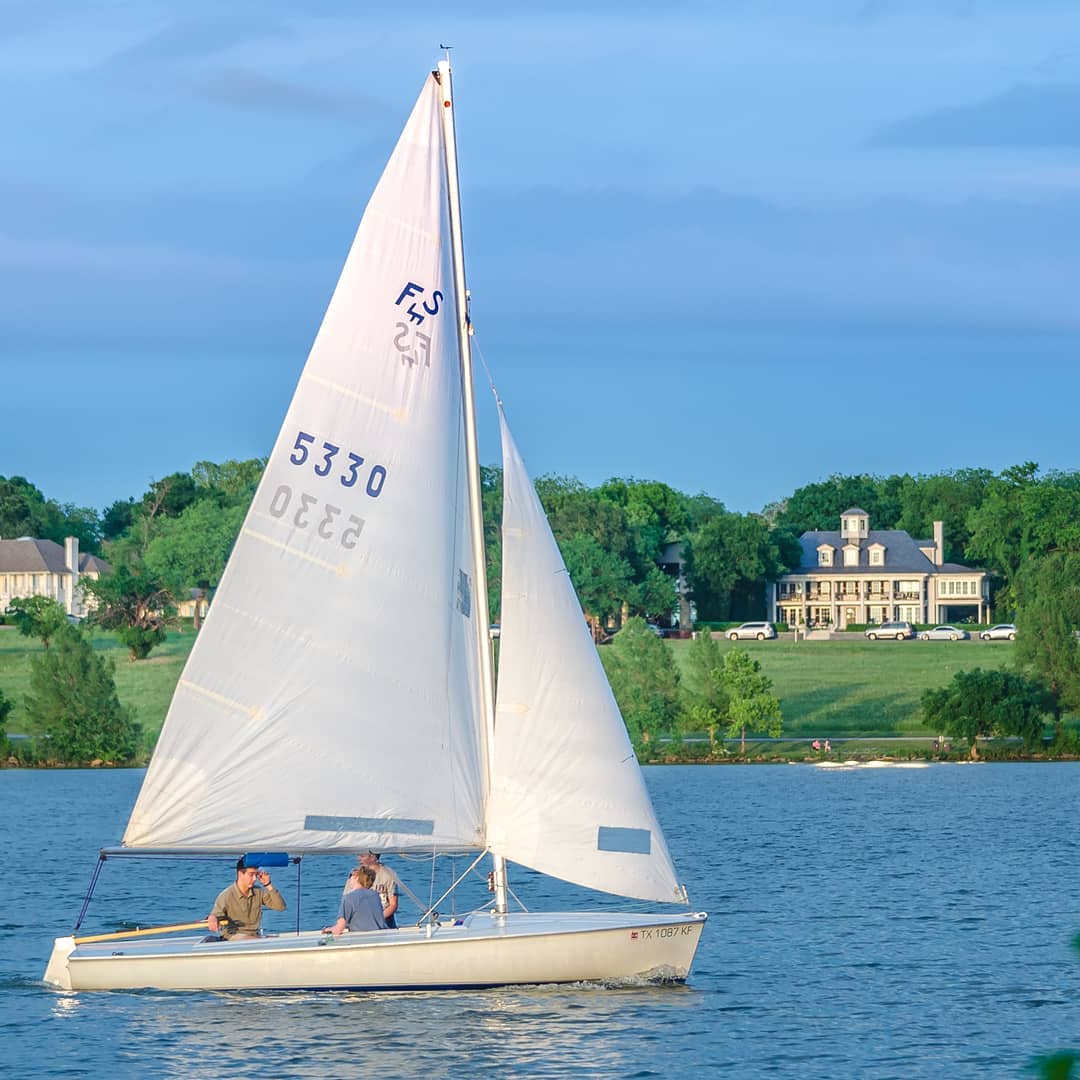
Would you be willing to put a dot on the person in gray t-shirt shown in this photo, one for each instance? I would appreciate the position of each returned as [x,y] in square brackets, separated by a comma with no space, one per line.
[361,907]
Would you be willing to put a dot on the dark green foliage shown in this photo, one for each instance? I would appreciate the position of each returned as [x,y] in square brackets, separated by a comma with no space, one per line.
[36,616]
[981,703]
[1023,517]
[491,498]
[24,511]
[1048,619]
[1059,1066]
[135,602]
[819,505]
[645,681]
[751,706]
[6,705]
[73,700]
[705,699]
[728,561]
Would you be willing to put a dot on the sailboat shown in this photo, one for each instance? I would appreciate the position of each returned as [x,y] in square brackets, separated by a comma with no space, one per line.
[312,717]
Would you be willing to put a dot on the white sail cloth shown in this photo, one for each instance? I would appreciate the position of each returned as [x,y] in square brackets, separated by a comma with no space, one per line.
[330,701]
[567,795]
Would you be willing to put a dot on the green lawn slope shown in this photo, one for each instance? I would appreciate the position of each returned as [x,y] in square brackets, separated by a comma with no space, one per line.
[845,687]
[853,687]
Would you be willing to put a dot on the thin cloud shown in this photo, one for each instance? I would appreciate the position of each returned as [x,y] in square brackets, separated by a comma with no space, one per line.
[253,90]
[1022,116]
[192,39]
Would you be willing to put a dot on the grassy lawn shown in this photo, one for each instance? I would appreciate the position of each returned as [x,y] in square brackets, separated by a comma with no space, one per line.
[147,685]
[857,687]
[826,688]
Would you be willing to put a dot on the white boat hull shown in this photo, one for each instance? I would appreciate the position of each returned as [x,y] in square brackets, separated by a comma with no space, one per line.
[481,950]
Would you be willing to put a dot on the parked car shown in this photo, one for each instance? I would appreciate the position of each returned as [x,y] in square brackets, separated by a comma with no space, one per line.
[898,630]
[944,633]
[758,630]
[1002,632]
[656,629]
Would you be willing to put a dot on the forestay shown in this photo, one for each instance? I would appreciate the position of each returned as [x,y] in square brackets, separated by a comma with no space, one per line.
[567,795]
[331,698]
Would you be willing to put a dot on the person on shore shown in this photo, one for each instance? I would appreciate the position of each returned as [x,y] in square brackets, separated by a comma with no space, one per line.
[386,885]
[237,912]
[361,907]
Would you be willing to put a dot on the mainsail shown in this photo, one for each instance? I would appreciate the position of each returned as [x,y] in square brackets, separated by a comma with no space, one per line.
[567,796]
[331,699]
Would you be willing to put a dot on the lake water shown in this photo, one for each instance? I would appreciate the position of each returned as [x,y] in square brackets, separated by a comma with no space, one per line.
[867,923]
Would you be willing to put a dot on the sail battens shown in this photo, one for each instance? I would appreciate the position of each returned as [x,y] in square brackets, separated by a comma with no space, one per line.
[251,711]
[339,569]
[409,826]
[407,227]
[357,521]
[562,756]
[393,411]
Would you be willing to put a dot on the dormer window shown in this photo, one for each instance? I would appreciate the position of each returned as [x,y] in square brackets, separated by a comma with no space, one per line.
[825,556]
[851,555]
[877,554]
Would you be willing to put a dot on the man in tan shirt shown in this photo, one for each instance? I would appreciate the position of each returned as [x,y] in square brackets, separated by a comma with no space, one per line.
[237,912]
[386,885]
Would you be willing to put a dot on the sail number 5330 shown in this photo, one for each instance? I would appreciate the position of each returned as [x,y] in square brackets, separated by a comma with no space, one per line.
[323,463]
[306,512]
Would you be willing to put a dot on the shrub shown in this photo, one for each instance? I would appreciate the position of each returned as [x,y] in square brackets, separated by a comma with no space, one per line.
[73,699]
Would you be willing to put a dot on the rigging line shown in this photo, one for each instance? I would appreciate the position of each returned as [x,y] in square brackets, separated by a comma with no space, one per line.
[487,371]
[453,886]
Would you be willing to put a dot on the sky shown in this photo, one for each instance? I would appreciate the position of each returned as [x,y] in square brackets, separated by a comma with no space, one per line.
[733,246]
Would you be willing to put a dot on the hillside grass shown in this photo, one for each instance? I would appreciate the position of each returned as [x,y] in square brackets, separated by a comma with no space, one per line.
[146,685]
[854,687]
[839,688]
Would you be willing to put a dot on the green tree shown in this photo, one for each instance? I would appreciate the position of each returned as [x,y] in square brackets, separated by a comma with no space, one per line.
[819,505]
[24,511]
[193,546]
[134,602]
[645,681]
[1048,619]
[1023,517]
[728,561]
[491,498]
[704,696]
[948,497]
[978,704]
[6,705]
[37,616]
[603,580]
[750,705]
[73,700]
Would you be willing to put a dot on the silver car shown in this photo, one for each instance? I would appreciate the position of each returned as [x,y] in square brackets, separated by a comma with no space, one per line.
[944,633]
[898,630]
[1002,632]
[752,630]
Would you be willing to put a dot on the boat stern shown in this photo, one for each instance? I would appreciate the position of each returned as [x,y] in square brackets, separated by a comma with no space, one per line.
[56,973]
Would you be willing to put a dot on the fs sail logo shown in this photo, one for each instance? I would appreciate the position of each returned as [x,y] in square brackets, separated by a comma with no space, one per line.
[412,343]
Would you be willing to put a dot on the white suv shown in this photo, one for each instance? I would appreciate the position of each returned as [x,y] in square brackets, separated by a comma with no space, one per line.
[758,630]
[898,630]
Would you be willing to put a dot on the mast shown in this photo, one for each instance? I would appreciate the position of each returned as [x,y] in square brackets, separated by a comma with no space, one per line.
[472,456]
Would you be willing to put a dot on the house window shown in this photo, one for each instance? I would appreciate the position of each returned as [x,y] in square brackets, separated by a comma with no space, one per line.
[875,557]
[851,556]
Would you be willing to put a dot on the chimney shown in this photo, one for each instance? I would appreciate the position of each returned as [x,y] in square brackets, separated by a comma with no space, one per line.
[939,543]
[71,561]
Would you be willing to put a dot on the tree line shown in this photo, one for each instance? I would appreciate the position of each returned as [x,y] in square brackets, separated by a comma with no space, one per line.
[1021,525]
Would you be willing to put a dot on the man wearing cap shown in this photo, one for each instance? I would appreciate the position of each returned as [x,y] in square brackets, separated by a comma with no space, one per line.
[386,885]
[237,912]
